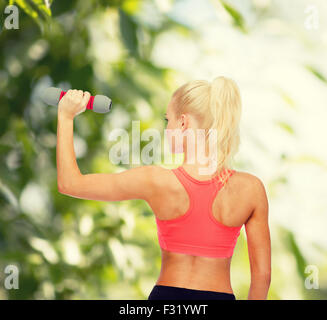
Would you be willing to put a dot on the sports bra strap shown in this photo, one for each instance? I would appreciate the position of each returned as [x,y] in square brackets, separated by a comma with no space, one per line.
[226,175]
[184,180]
[190,182]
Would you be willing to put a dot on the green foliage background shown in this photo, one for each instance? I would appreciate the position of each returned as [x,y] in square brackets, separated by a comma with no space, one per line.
[67,248]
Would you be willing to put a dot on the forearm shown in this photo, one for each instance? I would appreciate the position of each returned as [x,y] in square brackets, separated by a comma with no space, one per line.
[259,287]
[67,168]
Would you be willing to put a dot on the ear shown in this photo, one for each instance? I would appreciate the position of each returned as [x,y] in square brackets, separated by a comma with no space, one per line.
[184,122]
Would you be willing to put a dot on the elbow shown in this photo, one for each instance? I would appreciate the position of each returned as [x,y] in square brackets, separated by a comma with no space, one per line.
[62,188]
[264,276]
[267,278]
[71,187]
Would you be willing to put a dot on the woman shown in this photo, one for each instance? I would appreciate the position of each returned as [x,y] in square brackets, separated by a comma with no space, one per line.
[199,215]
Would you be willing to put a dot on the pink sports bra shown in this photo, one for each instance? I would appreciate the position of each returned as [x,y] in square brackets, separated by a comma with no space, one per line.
[197,232]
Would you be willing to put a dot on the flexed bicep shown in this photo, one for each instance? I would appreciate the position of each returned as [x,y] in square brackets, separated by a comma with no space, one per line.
[135,183]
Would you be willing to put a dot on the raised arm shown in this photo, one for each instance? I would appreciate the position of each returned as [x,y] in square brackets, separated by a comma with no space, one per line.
[259,248]
[135,183]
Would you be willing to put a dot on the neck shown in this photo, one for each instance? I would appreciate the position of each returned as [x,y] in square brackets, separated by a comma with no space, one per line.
[199,158]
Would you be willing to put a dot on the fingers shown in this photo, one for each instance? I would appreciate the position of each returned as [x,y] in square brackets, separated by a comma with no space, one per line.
[78,98]
[74,102]
[76,95]
[85,98]
[79,94]
[71,94]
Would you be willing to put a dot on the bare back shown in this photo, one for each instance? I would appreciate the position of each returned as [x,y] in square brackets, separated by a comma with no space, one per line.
[232,206]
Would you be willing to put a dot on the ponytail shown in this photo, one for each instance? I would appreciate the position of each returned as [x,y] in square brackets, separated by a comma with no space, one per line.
[225,109]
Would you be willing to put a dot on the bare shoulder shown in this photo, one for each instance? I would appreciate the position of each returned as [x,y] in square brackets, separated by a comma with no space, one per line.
[248,179]
[142,181]
[154,174]
[253,186]
[159,175]
[153,170]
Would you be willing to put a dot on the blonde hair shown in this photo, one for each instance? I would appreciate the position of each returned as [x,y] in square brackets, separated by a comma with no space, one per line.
[216,105]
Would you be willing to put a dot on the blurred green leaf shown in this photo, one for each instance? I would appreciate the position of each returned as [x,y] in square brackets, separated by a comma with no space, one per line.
[128,30]
[237,17]
[287,127]
[7,196]
[295,250]
[38,10]
[317,73]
